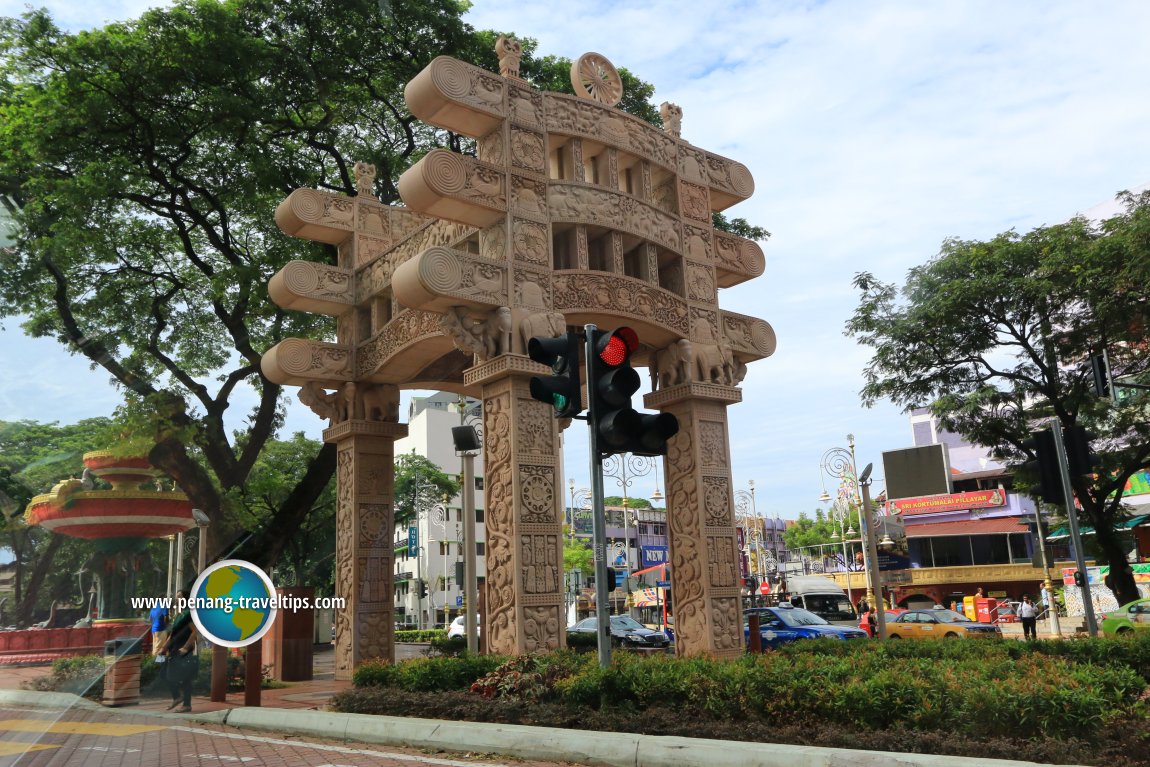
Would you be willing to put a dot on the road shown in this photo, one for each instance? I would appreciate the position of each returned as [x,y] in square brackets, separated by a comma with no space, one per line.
[102,738]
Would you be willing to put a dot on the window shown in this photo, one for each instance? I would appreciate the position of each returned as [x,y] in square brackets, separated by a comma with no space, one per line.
[478,515]
[479,483]
[444,549]
[480,548]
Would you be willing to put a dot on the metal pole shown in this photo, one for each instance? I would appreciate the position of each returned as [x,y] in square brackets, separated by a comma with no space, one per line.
[180,561]
[1075,538]
[171,566]
[872,561]
[1047,586]
[202,559]
[598,519]
[470,582]
[864,515]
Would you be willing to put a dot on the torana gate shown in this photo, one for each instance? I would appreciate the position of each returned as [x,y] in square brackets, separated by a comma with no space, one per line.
[572,212]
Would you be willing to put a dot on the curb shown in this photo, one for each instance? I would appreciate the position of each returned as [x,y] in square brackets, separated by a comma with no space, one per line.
[602,749]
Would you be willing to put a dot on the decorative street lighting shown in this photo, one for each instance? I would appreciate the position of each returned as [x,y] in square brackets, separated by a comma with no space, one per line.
[580,501]
[840,513]
[624,468]
[840,463]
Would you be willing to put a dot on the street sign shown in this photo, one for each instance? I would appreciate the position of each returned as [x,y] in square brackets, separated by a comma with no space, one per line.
[663,584]
[412,540]
[459,601]
[764,588]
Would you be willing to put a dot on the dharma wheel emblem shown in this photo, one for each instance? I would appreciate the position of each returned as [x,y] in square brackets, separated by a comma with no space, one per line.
[595,78]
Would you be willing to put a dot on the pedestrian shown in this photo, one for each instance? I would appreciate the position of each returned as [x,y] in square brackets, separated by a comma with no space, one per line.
[1029,617]
[863,607]
[182,664]
[978,594]
[159,617]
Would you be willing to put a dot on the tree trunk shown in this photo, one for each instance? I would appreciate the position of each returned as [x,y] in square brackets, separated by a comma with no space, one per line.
[32,589]
[1121,578]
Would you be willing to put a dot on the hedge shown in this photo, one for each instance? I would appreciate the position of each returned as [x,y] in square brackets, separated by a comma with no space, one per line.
[973,687]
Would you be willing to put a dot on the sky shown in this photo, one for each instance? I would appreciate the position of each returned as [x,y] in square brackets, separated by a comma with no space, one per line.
[874,130]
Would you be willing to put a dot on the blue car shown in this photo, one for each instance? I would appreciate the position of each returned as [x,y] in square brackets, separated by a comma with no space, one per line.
[785,623]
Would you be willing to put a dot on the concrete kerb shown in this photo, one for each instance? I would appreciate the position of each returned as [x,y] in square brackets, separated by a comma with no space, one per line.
[608,749]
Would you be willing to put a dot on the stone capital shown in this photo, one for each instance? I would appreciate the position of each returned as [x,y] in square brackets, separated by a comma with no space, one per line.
[502,367]
[357,428]
[660,400]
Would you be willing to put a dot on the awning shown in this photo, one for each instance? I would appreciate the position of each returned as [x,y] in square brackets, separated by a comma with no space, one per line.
[998,526]
[1064,531]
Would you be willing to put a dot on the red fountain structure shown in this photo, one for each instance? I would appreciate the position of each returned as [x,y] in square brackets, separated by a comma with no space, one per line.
[119,521]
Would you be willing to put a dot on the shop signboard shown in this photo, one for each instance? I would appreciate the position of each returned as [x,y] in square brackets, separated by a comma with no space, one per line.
[653,555]
[932,504]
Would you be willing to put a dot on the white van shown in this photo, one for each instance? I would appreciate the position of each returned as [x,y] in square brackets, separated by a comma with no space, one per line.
[823,597]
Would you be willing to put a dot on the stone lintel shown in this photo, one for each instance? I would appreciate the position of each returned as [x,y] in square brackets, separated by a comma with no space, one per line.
[501,367]
[356,428]
[659,400]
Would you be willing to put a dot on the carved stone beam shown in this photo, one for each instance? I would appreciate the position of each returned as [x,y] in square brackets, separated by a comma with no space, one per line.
[304,286]
[455,187]
[737,259]
[334,218]
[730,182]
[458,96]
[295,362]
[440,278]
[751,338]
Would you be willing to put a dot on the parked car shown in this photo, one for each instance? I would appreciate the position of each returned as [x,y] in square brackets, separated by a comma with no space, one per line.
[864,620]
[787,623]
[458,628]
[626,632]
[1130,617]
[938,624]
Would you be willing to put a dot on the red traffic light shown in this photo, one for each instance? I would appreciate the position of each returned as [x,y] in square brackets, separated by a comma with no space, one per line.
[614,349]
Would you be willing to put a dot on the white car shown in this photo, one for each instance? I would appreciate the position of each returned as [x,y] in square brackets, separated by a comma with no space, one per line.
[458,628]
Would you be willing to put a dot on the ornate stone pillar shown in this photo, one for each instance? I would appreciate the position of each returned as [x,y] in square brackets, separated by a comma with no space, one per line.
[524,510]
[364,550]
[701,520]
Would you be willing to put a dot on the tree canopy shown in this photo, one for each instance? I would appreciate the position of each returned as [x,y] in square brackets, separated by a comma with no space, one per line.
[419,486]
[142,163]
[995,337]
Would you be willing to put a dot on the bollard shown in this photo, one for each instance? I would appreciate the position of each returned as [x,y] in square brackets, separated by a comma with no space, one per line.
[121,672]
[253,674]
[755,640]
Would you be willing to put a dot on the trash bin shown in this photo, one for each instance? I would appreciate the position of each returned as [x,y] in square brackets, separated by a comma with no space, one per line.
[122,671]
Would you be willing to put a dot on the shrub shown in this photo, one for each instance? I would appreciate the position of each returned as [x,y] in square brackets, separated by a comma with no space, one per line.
[427,674]
[426,635]
[450,647]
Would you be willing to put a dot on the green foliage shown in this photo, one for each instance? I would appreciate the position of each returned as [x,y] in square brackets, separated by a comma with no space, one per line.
[419,486]
[996,336]
[970,688]
[450,647]
[577,555]
[427,674]
[740,227]
[421,635]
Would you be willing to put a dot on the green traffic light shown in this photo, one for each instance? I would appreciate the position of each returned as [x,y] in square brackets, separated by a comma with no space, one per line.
[559,401]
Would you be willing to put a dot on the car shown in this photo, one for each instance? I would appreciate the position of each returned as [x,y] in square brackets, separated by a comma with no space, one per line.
[864,620]
[626,632]
[1130,617]
[786,623]
[939,624]
[458,628]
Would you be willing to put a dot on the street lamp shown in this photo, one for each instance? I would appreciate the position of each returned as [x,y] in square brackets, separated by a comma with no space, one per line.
[624,468]
[840,463]
[580,500]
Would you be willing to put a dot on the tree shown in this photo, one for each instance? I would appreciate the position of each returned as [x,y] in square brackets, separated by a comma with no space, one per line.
[419,486]
[143,162]
[577,555]
[996,338]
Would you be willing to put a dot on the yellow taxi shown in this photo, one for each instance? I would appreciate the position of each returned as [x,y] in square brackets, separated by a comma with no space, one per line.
[938,624]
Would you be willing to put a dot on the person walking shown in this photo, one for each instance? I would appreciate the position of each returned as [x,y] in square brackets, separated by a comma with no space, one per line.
[159,617]
[1029,617]
[182,663]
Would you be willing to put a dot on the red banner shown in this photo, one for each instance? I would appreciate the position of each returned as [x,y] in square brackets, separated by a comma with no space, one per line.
[930,504]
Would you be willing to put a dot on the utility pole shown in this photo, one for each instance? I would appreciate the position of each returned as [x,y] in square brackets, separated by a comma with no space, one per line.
[598,519]
[1075,537]
[1047,586]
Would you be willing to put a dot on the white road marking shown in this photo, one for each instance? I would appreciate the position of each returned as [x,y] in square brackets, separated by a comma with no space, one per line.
[335,749]
[109,750]
[226,758]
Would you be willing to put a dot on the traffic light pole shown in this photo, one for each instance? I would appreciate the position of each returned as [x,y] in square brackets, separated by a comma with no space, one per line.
[1075,537]
[1047,586]
[598,518]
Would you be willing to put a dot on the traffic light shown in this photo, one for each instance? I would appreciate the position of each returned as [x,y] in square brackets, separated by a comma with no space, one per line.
[1103,386]
[752,584]
[611,579]
[1080,457]
[422,588]
[1045,465]
[611,382]
[562,390]
[1079,579]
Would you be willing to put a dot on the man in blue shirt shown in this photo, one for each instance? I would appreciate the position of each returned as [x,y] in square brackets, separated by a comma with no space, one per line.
[159,616]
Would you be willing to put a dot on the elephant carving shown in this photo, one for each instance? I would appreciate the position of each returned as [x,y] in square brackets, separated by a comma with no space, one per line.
[546,324]
[673,365]
[710,363]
